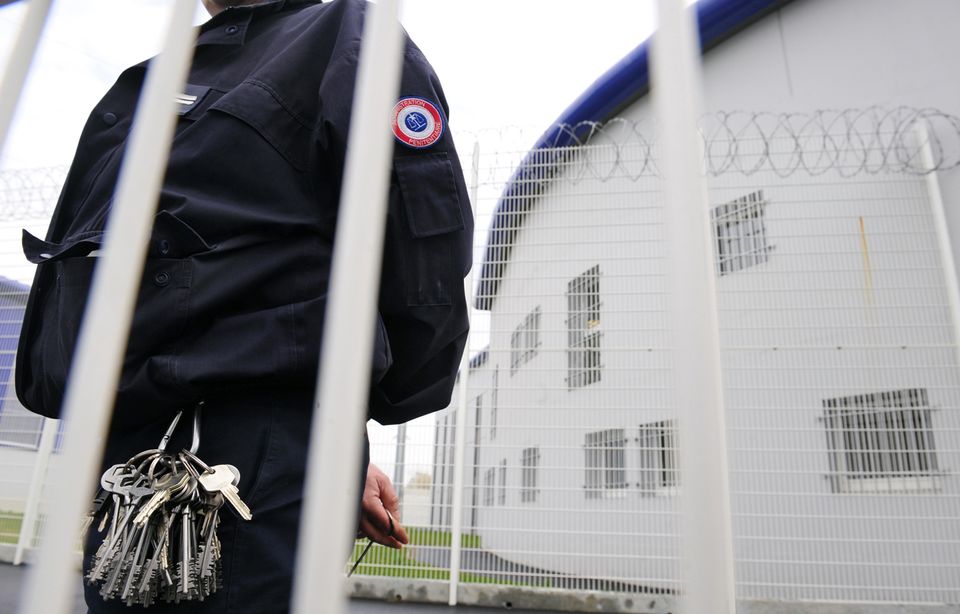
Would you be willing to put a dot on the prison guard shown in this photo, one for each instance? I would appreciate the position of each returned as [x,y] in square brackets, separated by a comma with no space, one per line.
[234,289]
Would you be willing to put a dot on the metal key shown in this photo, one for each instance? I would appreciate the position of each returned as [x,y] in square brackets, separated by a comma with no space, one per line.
[163,490]
[119,540]
[163,543]
[220,479]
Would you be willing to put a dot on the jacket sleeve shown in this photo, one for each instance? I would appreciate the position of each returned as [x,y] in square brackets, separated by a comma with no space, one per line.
[423,325]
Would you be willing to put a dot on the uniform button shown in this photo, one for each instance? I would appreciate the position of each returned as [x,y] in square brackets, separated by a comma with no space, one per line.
[162,278]
[163,247]
[109,119]
[233,29]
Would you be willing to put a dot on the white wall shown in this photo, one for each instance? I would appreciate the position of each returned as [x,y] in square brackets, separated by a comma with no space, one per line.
[815,322]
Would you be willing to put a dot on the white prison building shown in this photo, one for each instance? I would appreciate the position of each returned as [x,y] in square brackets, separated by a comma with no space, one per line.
[837,316]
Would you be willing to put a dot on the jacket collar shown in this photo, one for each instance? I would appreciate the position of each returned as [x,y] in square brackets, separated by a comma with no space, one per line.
[229,27]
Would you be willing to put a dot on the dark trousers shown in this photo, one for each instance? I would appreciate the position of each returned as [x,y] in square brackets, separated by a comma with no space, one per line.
[265,435]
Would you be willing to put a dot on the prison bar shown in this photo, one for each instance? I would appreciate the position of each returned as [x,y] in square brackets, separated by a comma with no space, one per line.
[18,65]
[942,230]
[707,541]
[328,519]
[91,388]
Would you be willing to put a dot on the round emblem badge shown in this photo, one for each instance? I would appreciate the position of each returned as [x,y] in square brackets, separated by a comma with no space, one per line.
[417,122]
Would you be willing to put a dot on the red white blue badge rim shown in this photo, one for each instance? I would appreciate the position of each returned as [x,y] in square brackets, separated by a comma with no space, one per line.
[417,122]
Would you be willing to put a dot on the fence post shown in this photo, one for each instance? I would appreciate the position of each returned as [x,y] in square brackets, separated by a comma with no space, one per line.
[21,56]
[943,232]
[400,460]
[460,424]
[95,371]
[707,552]
[328,519]
[28,529]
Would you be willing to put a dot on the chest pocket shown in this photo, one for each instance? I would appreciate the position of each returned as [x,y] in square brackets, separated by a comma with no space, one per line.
[255,104]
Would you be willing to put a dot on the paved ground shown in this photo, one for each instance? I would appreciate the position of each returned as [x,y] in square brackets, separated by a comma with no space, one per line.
[12,579]
[483,563]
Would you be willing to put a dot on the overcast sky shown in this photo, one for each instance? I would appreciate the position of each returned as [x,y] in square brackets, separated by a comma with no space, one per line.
[503,63]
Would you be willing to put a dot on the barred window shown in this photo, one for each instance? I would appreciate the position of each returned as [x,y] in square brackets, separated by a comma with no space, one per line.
[493,404]
[881,442]
[525,340]
[488,478]
[740,233]
[583,329]
[605,462]
[502,496]
[530,463]
[658,456]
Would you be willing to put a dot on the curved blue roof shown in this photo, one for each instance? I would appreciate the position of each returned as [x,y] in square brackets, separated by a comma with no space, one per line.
[617,89]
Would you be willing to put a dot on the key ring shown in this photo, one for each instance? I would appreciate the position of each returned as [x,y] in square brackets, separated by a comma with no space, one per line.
[195,444]
[166,436]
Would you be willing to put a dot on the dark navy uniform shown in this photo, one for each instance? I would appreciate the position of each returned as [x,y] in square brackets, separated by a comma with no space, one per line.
[230,309]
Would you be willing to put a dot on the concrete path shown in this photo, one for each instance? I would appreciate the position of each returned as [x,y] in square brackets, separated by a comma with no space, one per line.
[12,579]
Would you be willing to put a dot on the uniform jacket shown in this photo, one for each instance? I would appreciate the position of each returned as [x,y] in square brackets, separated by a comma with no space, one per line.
[235,284]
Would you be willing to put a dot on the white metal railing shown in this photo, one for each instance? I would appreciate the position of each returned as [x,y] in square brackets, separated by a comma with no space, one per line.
[91,388]
[337,431]
[707,541]
[18,65]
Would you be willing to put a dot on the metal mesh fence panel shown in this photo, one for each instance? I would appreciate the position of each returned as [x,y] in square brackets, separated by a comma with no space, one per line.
[840,365]
[27,198]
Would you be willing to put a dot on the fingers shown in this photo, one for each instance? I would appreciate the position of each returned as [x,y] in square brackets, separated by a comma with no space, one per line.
[380,510]
[377,534]
[398,531]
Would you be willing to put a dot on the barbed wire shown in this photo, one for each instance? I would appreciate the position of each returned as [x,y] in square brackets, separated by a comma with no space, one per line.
[850,142]
[30,193]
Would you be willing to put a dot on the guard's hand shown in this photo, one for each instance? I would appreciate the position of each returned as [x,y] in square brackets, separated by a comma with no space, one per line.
[379,509]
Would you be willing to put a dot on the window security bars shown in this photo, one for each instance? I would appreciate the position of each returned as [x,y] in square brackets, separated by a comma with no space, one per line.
[583,329]
[658,457]
[525,340]
[477,436]
[605,462]
[530,463]
[488,485]
[502,493]
[740,234]
[881,442]
[493,405]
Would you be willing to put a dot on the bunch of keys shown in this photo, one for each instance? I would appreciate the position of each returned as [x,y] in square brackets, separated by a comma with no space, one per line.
[159,513]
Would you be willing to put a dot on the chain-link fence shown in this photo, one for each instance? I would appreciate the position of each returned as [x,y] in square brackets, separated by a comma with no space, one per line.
[839,360]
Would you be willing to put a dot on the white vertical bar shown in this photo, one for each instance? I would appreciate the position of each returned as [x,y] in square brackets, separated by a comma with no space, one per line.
[328,520]
[943,233]
[48,436]
[91,390]
[400,461]
[707,540]
[460,425]
[18,65]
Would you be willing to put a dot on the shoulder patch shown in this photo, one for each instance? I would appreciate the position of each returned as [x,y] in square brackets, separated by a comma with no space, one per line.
[417,122]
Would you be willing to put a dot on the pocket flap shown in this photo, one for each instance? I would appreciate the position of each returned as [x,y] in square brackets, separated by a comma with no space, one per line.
[430,195]
[174,238]
[255,105]
[39,251]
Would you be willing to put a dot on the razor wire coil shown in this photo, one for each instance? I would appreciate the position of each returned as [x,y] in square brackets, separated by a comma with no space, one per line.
[849,142]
